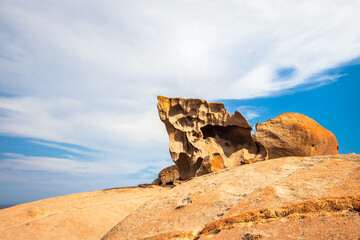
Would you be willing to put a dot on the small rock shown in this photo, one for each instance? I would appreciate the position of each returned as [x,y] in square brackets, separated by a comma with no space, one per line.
[169,175]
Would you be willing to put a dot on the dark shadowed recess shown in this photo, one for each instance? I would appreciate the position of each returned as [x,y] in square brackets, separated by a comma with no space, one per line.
[230,138]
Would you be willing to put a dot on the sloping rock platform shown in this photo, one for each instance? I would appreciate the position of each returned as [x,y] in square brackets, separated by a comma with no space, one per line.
[284,198]
[87,215]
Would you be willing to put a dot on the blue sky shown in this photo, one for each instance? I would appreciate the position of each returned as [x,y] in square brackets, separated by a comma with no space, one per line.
[79,80]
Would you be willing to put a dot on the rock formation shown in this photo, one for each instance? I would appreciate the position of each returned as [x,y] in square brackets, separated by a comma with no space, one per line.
[205,138]
[167,175]
[294,134]
[305,197]
[285,198]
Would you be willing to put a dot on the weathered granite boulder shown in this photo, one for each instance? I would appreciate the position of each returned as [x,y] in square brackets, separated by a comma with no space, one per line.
[167,175]
[205,138]
[294,134]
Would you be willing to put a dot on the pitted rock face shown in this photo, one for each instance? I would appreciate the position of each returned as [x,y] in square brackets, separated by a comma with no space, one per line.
[205,138]
[294,134]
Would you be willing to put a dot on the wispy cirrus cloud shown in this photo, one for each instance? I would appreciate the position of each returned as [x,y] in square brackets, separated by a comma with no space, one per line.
[61,147]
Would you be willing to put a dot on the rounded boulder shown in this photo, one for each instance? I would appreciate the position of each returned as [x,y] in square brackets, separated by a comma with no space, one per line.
[294,134]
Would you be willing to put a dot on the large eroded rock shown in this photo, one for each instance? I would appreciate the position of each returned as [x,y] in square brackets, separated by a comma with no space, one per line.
[294,134]
[205,138]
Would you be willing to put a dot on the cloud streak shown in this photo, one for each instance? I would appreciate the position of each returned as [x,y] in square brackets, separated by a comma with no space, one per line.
[28,163]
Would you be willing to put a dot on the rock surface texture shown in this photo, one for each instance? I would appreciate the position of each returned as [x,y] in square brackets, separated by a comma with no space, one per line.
[85,216]
[205,138]
[285,198]
[294,134]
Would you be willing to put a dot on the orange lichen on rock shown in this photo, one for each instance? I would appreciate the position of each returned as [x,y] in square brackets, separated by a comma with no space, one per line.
[294,134]
[176,235]
[164,103]
[217,163]
[312,206]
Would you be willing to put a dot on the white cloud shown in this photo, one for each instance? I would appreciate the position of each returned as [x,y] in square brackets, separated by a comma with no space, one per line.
[88,72]
[26,163]
[138,49]
[111,123]
[58,146]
